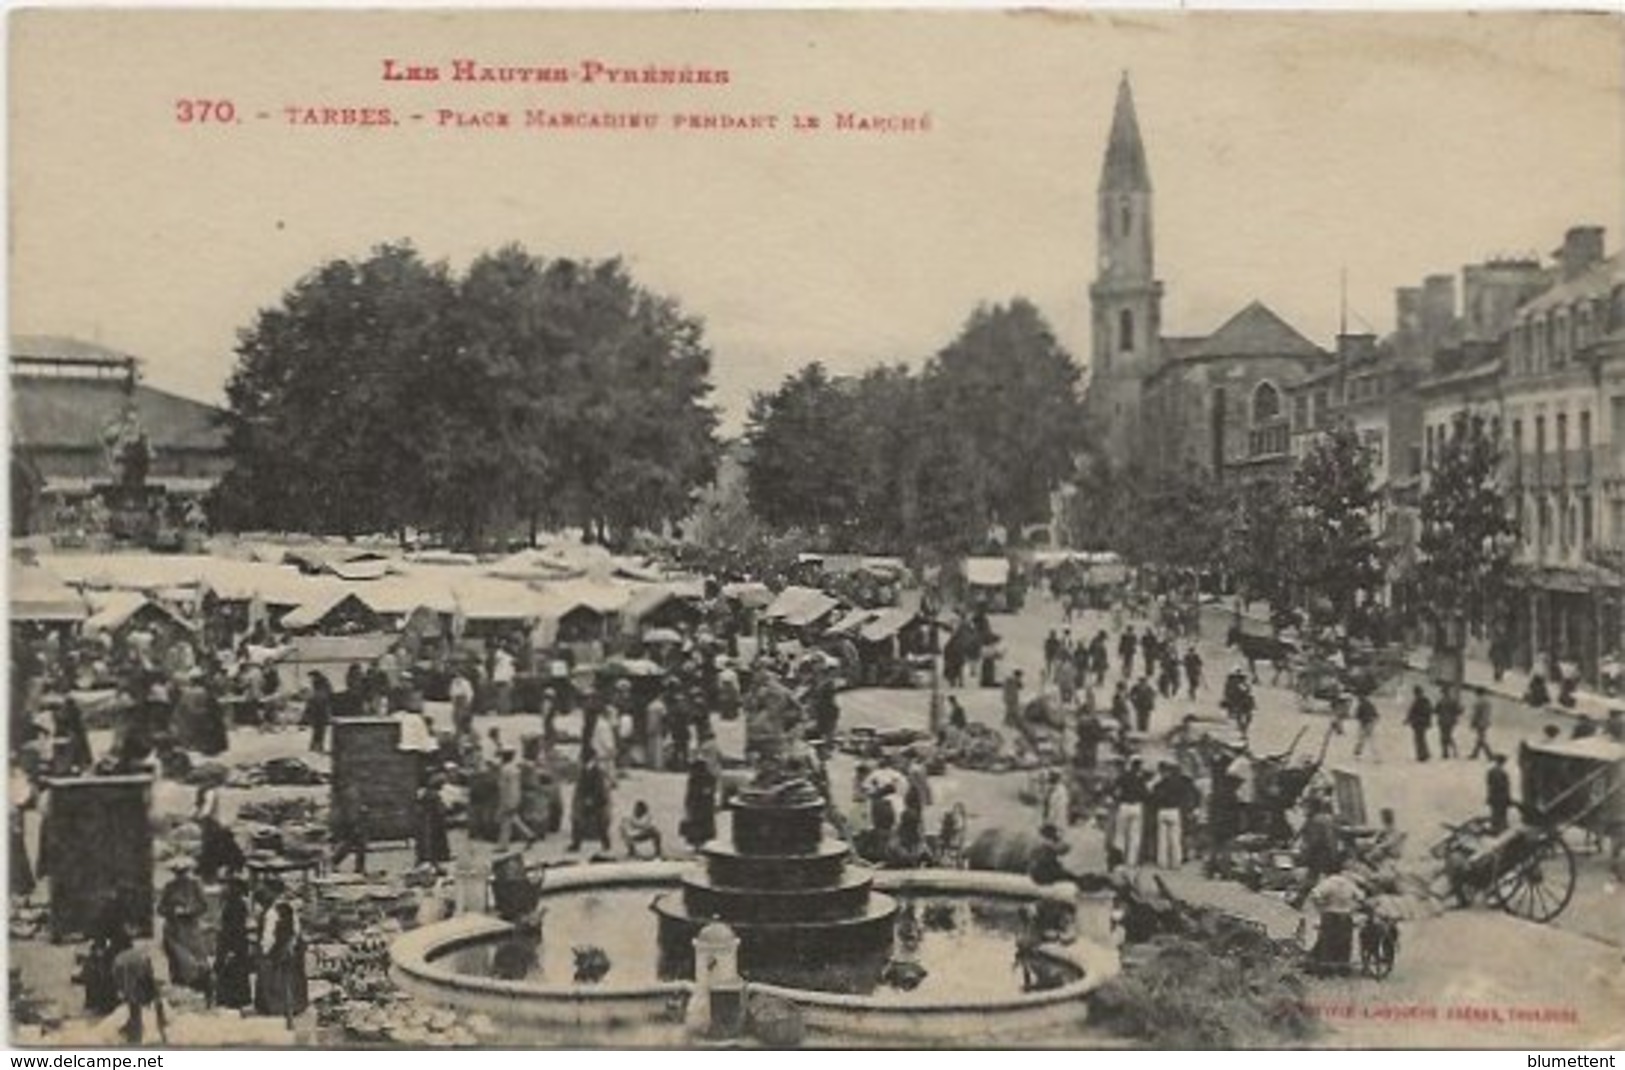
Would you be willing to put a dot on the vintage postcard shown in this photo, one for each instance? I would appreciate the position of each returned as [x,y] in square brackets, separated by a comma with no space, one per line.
[848,529]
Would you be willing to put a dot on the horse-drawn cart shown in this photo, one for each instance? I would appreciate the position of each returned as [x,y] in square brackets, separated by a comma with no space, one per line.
[1529,870]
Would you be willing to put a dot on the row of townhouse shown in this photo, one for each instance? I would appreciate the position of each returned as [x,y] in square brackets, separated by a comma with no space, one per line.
[1536,353]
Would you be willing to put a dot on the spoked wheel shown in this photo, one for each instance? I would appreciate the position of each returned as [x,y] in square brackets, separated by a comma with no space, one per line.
[1537,884]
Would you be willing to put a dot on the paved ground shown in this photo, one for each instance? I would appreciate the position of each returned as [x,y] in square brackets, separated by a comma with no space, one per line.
[1464,959]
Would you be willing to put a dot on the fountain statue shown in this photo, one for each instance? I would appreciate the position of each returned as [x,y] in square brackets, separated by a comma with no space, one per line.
[805,916]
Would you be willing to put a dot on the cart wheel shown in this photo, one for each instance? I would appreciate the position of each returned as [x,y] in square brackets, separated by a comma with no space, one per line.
[1538,885]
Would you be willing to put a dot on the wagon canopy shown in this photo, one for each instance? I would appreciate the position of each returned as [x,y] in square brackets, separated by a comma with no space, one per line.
[987,571]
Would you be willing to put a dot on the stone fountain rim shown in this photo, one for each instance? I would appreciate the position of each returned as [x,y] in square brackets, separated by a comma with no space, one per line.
[413,954]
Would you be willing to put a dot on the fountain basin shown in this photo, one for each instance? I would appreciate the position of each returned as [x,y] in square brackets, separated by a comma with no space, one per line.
[452,963]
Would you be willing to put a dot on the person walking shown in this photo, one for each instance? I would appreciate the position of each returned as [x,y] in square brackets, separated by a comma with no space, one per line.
[1193,670]
[510,800]
[1366,717]
[1420,718]
[1099,658]
[1012,698]
[1126,648]
[1447,713]
[1479,722]
[319,711]
[1498,793]
[1143,697]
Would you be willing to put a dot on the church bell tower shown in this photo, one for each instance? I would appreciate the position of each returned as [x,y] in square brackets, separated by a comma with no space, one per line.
[1126,298]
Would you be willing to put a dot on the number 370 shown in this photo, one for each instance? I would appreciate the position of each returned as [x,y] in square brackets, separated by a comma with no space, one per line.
[205,111]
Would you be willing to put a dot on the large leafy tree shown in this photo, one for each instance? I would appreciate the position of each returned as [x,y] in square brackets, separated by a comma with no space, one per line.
[1341,561]
[326,400]
[384,393]
[1011,393]
[800,471]
[1468,535]
[1261,546]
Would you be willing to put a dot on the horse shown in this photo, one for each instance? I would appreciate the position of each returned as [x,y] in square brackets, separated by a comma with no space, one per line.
[1255,648]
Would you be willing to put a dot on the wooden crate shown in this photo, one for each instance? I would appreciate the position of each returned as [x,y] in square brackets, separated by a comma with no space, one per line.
[98,842]
[375,783]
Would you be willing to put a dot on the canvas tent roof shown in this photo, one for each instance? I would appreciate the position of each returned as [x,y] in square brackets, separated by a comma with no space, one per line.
[800,606]
[1598,748]
[312,613]
[647,598]
[884,624]
[483,598]
[399,595]
[750,593]
[115,609]
[39,595]
[559,599]
[987,571]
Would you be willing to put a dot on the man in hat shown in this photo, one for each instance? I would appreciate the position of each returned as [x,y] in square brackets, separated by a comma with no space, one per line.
[183,905]
[1012,698]
[1131,791]
[1172,797]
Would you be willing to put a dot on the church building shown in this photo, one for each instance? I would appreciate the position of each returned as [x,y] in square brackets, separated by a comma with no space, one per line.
[1216,402]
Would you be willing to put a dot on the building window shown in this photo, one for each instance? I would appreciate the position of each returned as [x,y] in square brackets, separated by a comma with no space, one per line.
[1266,403]
[1562,446]
[1585,443]
[1585,521]
[1616,522]
[1540,448]
[1125,218]
[1616,313]
[1125,331]
[1300,412]
[1517,451]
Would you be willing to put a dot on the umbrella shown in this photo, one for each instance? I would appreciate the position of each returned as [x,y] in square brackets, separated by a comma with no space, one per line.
[630,667]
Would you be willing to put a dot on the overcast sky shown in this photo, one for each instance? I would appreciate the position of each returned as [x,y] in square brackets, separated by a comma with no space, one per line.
[1282,149]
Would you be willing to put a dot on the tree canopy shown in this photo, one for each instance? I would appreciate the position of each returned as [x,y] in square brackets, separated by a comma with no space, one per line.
[386,394]
[925,461]
[1468,533]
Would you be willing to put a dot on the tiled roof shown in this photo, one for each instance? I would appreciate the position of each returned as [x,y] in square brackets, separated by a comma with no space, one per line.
[1594,282]
[1257,331]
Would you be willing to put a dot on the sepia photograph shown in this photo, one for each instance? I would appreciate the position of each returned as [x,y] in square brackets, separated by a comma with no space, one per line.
[837,529]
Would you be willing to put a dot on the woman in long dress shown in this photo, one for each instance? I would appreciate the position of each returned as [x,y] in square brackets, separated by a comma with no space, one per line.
[219,850]
[234,949]
[182,905]
[282,987]
[589,808]
[700,805]
[433,847]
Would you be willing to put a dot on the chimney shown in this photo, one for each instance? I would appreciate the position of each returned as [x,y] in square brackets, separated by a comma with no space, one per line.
[1582,250]
[1353,348]
[1438,310]
[1408,310]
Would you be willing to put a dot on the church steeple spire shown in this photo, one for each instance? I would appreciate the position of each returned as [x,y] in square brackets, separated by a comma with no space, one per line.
[1126,298]
[1125,170]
